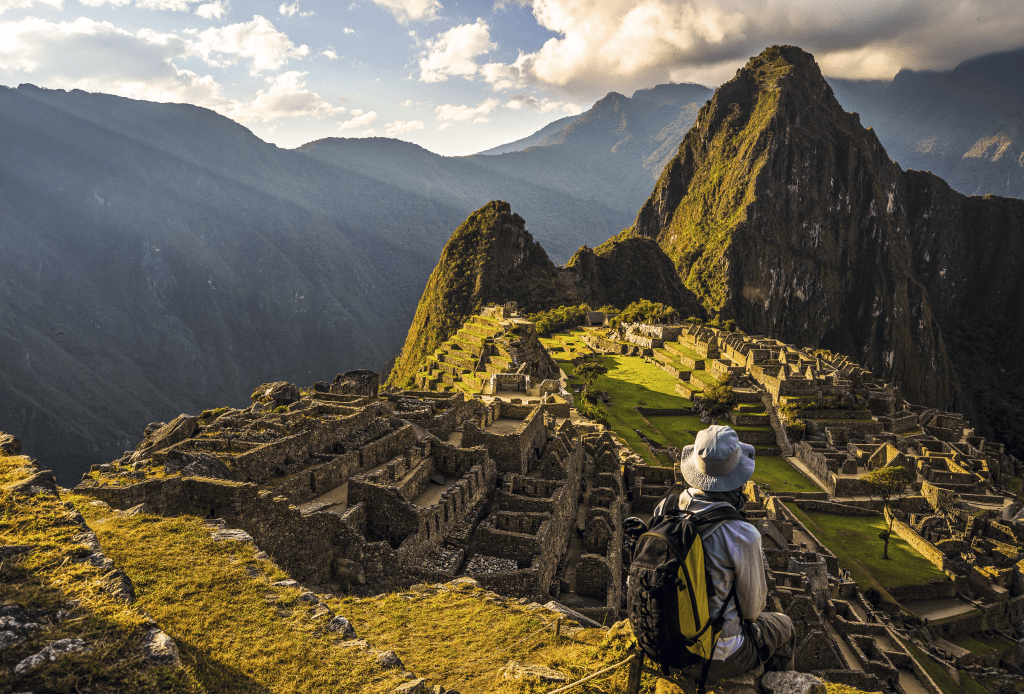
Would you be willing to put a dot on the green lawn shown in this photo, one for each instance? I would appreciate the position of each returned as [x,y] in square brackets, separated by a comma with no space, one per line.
[780,476]
[1013,484]
[979,644]
[941,675]
[632,382]
[854,540]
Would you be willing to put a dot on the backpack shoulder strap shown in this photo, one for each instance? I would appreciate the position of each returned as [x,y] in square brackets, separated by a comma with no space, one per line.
[670,503]
[718,515]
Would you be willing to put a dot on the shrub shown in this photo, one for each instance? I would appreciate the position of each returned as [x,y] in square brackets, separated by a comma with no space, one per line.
[873,596]
[556,319]
[646,311]
[281,409]
[718,398]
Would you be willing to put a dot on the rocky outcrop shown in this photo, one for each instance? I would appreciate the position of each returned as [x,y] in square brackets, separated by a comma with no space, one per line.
[627,268]
[489,258]
[781,211]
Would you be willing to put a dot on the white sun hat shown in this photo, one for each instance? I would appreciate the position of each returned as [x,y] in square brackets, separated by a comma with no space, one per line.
[717,461]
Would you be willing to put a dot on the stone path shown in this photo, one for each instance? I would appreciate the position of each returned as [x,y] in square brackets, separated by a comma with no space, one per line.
[844,648]
[937,609]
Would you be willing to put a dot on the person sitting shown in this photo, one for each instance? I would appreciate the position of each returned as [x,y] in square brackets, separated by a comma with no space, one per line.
[716,468]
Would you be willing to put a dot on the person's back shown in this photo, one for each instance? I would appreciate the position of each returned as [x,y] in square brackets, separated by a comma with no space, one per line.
[717,468]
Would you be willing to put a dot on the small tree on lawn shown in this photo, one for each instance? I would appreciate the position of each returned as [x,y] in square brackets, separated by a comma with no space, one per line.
[590,370]
[888,483]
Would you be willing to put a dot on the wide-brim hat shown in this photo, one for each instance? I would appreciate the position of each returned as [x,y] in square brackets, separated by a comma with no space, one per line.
[717,461]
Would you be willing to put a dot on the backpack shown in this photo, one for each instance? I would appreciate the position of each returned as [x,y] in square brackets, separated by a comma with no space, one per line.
[669,589]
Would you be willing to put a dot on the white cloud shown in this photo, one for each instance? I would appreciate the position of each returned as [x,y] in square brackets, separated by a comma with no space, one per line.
[22,4]
[622,44]
[287,97]
[141,65]
[369,132]
[291,10]
[213,10]
[449,113]
[258,40]
[407,102]
[172,5]
[406,10]
[455,51]
[358,119]
[401,127]
[349,31]
[97,3]
[545,105]
[329,53]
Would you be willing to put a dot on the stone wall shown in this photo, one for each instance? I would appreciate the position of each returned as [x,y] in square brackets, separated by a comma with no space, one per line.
[387,447]
[925,548]
[511,452]
[303,545]
[319,478]
[831,507]
[593,576]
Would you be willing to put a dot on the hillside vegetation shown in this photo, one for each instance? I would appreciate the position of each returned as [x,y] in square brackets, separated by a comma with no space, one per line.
[782,212]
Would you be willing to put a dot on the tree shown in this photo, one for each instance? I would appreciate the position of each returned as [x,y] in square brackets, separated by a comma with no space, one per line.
[888,482]
[590,370]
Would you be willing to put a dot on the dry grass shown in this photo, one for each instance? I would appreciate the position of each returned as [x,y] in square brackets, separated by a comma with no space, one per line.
[49,578]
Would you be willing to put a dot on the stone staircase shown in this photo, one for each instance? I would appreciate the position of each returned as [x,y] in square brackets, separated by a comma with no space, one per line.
[467,359]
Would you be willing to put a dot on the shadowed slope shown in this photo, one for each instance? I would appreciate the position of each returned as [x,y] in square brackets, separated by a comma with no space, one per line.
[780,210]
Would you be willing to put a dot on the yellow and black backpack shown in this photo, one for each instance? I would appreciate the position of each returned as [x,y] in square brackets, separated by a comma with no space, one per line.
[669,589]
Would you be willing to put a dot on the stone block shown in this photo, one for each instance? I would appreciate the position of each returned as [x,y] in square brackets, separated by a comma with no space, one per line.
[791,683]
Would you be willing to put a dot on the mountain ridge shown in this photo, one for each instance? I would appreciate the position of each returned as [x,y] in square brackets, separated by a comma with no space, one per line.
[783,212]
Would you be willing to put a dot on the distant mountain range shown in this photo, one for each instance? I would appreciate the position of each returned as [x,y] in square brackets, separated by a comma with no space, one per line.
[159,258]
[965,125]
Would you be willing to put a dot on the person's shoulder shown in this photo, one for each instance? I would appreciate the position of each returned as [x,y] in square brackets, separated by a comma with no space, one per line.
[743,530]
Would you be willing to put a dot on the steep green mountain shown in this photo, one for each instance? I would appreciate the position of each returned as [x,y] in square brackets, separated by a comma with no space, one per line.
[626,268]
[492,258]
[964,125]
[782,211]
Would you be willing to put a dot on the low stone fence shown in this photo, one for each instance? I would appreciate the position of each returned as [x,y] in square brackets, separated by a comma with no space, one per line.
[925,548]
[928,591]
[838,509]
[654,412]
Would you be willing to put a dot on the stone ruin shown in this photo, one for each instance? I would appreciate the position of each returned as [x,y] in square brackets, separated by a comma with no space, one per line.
[361,494]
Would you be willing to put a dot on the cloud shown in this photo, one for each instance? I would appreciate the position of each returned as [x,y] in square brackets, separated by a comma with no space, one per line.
[407,102]
[623,44]
[96,3]
[401,127]
[22,4]
[455,51]
[213,10]
[349,31]
[407,10]
[291,10]
[358,120]
[141,65]
[172,5]
[330,53]
[287,97]
[449,113]
[258,40]
[369,132]
[519,101]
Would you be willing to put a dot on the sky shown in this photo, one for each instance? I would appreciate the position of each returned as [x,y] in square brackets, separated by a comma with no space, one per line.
[458,77]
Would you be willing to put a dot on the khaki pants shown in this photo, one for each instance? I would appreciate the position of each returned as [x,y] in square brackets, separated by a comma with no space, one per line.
[777,637]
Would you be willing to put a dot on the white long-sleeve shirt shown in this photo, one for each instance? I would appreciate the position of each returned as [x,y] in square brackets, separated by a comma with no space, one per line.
[732,554]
